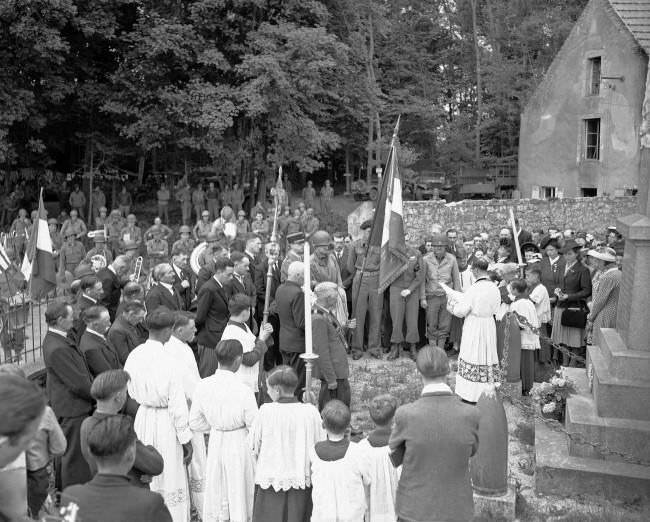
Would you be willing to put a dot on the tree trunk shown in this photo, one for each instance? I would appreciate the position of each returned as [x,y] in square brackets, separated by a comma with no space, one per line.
[479,94]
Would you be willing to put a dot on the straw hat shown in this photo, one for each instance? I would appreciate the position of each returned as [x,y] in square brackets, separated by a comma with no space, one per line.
[604,254]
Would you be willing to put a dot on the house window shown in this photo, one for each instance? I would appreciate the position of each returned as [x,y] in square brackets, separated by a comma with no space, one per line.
[592,138]
[594,76]
[589,192]
[547,192]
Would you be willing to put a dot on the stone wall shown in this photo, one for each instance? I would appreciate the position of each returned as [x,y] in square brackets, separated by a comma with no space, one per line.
[471,217]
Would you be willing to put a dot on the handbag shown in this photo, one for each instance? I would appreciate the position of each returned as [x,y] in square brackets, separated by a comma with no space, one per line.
[574,317]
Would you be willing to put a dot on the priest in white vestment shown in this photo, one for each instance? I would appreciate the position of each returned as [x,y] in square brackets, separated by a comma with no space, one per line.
[162,419]
[184,332]
[226,407]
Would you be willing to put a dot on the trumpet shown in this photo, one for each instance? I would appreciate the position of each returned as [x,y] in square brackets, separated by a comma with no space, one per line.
[137,269]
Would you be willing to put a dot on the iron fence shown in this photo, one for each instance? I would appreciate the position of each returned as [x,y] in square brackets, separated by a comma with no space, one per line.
[22,328]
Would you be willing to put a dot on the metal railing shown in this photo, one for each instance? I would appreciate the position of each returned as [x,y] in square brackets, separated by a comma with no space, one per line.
[22,328]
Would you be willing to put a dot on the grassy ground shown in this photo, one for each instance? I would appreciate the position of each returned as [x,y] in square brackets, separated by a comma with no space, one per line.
[370,377]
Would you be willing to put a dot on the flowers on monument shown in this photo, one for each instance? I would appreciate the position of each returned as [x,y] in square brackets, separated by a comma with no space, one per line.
[552,394]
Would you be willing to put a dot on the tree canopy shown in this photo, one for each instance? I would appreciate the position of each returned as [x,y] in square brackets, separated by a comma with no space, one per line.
[239,85]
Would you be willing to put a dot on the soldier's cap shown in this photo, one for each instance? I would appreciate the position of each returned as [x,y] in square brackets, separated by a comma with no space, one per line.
[52,221]
[366,224]
[185,230]
[437,240]
[296,237]
[130,245]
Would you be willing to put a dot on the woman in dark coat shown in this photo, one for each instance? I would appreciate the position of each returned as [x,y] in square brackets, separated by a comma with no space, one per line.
[574,289]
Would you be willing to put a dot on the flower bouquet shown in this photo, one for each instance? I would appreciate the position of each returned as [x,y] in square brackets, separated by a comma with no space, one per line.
[552,395]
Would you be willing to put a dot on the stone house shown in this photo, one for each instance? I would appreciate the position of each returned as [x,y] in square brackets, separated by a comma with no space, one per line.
[579,131]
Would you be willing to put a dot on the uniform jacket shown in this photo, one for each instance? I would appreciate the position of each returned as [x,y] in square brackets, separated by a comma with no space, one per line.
[99,355]
[68,377]
[413,277]
[108,498]
[346,274]
[158,295]
[289,258]
[290,303]
[211,313]
[443,271]
[577,284]
[124,337]
[433,439]
[112,290]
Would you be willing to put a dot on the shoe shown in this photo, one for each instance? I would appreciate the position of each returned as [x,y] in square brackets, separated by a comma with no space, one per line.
[375,354]
[356,355]
[413,350]
[394,352]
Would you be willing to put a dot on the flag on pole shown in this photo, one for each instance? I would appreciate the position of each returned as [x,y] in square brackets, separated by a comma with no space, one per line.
[38,263]
[388,226]
[5,262]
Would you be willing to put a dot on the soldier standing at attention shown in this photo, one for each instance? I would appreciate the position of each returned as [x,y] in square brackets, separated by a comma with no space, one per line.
[124,202]
[74,225]
[184,197]
[310,223]
[163,198]
[186,244]
[101,218]
[19,228]
[71,254]
[99,200]
[203,227]
[404,302]
[212,194]
[131,232]
[365,296]
[77,201]
[198,201]
[157,248]
[237,197]
[309,194]
[99,250]
[326,197]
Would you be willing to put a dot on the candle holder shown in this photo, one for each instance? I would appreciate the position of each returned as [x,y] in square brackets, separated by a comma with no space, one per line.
[309,359]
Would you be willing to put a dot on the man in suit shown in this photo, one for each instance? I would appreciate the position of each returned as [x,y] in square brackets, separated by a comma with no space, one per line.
[242,283]
[272,357]
[553,267]
[100,356]
[207,270]
[124,333]
[212,315]
[252,252]
[290,303]
[342,252]
[113,278]
[433,439]
[182,277]
[163,292]
[68,391]
[110,496]
[91,292]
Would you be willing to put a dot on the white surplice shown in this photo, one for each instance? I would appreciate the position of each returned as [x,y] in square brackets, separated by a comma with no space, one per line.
[226,407]
[162,420]
[189,373]
[249,375]
[381,493]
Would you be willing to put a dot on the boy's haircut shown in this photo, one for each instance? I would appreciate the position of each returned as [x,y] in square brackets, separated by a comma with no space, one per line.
[382,409]
[93,313]
[519,285]
[111,437]
[534,270]
[108,383]
[481,264]
[133,306]
[238,303]
[432,362]
[159,319]
[132,290]
[283,376]
[88,282]
[237,256]
[22,402]
[221,263]
[336,417]
[182,318]
[228,350]
[56,311]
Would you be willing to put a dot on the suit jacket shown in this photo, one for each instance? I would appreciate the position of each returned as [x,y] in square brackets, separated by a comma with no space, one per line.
[186,294]
[246,287]
[99,355]
[552,276]
[346,275]
[577,284]
[108,498]
[124,337]
[433,439]
[261,271]
[147,459]
[112,287]
[204,275]
[211,313]
[158,296]
[68,377]
[79,326]
[290,303]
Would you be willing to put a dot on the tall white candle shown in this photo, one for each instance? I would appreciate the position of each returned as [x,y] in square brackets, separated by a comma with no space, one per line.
[307,295]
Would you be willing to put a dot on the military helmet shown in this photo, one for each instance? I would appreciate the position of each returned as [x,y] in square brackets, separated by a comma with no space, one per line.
[185,230]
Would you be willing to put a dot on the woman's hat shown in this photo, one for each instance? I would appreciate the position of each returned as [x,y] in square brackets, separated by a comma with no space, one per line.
[529,247]
[569,245]
[604,254]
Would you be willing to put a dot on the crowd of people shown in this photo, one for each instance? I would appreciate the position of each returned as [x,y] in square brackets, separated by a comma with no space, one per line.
[149,348]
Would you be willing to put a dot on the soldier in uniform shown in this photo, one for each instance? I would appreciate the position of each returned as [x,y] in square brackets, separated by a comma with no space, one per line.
[131,232]
[242,224]
[57,240]
[99,200]
[99,251]
[365,297]
[163,198]
[309,194]
[185,243]
[325,267]
[74,225]
[212,195]
[212,241]
[164,229]
[157,249]
[198,201]
[404,304]
[296,242]
[326,197]
[114,225]
[19,229]
[184,197]
[203,227]
[77,201]
[310,223]
[71,254]
[101,219]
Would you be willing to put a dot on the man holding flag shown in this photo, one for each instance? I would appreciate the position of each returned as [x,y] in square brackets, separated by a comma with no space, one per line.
[379,258]
[38,263]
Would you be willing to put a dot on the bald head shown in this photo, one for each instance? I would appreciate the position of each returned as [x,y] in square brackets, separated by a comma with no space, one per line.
[296,272]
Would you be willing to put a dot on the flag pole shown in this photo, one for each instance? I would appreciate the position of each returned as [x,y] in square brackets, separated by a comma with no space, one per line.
[269,271]
[383,190]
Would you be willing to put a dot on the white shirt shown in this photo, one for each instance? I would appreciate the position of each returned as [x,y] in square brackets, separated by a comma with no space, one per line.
[185,364]
[94,332]
[436,387]
[249,375]
[57,331]
[539,297]
[169,287]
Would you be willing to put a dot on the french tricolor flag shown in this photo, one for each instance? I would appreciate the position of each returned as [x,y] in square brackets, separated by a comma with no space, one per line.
[38,264]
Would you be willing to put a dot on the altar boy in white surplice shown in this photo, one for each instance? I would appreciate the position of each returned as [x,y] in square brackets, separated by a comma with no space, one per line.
[183,332]
[226,407]
[162,418]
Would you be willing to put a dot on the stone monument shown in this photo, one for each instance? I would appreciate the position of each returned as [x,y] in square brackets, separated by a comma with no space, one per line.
[608,450]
